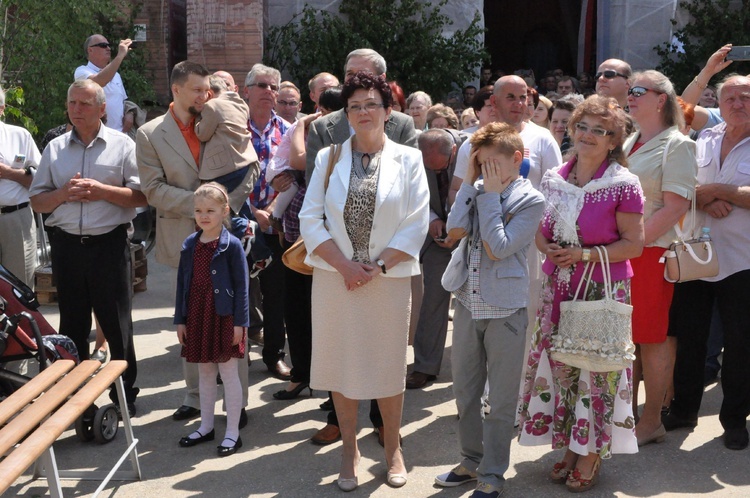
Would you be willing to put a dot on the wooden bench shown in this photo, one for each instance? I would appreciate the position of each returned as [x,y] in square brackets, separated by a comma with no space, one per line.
[44,408]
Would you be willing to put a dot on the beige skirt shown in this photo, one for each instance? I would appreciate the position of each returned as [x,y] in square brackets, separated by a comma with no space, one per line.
[359,337]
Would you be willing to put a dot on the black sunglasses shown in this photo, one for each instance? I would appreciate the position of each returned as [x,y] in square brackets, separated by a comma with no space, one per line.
[265,86]
[101,45]
[609,74]
[640,91]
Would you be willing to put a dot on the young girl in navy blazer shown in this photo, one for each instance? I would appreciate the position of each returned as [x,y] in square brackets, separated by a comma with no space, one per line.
[212,313]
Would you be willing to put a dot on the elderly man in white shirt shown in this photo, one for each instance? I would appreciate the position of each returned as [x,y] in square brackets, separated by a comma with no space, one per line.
[723,196]
[19,158]
[103,70]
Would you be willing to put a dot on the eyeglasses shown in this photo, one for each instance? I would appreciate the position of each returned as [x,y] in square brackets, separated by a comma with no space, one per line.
[369,107]
[599,132]
[640,91]
[291,103]
[266,86]
[101,45]
[609,74]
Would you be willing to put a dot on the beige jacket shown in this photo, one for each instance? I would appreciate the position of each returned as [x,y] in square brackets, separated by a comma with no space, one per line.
[228,143]
[169,176]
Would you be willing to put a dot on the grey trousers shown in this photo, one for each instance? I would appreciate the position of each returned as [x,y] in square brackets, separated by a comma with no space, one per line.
[487,350]
[18,244]
[432,328]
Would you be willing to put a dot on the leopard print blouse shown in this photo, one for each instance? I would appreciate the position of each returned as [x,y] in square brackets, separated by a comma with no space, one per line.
[360,203]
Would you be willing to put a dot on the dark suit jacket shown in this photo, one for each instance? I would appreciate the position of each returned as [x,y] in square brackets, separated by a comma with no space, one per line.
[334,129]
[436,206]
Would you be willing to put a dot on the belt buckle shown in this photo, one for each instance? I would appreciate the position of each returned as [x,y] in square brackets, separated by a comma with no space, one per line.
[85,239]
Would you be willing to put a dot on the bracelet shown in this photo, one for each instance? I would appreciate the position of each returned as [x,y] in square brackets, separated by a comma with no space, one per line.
[586,255]
[702,87]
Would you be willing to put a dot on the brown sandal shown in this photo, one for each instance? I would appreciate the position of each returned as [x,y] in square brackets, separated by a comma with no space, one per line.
[576,483]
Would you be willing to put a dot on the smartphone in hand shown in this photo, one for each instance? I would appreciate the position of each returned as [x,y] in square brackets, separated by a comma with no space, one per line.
[740,53]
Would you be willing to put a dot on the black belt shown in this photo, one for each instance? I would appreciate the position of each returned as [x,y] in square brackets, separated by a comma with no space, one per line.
[10,209]
[88,240]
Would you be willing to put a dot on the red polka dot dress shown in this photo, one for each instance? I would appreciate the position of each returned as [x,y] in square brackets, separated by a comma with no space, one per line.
[209,336]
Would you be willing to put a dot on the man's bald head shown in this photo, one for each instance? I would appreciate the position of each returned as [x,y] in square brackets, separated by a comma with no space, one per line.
[509,100]
[228,79]
[613,80]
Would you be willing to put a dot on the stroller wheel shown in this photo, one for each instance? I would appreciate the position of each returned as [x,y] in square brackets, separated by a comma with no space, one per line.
[85,424]
[105,424]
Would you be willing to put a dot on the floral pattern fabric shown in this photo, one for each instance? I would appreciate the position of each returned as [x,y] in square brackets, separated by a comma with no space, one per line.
[588,412]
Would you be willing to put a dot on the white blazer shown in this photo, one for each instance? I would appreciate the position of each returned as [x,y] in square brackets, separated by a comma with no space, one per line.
[401,208]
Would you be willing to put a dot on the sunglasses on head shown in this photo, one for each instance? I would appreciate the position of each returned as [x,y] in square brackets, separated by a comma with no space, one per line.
[100,45]
[640,91]
[609,74]
[265,86]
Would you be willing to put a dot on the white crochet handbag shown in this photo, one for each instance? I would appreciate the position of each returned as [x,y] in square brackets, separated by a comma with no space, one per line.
[595,335]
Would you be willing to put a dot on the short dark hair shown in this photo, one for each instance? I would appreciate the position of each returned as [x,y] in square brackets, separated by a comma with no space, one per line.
[182,71]
[470,86]
[481,97]
[367,81]
[331,99]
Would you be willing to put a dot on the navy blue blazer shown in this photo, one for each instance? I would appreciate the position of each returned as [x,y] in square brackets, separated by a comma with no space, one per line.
[229,277]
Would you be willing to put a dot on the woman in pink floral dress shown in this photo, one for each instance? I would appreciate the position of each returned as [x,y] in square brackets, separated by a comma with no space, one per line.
[593,200]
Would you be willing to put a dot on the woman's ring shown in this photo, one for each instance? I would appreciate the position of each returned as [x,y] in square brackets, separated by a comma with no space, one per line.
[359,282]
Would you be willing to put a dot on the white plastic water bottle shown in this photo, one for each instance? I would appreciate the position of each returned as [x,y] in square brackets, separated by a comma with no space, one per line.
[705,234]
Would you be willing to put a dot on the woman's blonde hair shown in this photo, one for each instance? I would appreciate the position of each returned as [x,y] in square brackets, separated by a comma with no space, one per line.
[217,193]
[671,113]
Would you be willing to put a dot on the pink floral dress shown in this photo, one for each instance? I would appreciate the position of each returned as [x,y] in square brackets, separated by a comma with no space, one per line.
[588,412]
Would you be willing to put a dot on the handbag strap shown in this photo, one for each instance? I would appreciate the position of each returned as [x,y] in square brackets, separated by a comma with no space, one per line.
[333,157]
[681,235]
[687,234]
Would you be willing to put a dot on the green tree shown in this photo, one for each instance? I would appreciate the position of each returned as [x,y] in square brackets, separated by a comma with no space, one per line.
[712,25]
[41,44]
[408,33]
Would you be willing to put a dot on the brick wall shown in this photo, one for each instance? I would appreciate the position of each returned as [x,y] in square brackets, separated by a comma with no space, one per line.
[221,34]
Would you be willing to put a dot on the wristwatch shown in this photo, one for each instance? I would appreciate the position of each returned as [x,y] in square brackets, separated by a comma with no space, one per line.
[381,264]
[586,255]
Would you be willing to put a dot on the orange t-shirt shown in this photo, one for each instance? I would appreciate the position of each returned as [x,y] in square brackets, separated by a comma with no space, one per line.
[188,133]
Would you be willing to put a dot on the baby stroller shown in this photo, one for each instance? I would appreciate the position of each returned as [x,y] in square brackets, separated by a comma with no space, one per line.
[22,329]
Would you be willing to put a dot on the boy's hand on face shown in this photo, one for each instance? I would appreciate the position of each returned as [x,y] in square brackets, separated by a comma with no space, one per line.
[493,177]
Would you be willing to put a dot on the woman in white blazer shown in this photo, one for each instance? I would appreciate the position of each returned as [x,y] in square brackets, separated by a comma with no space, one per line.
[363,235]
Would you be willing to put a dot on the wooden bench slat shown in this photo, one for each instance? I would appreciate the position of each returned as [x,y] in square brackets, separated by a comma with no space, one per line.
[28,392]
[54,397]
[32,448]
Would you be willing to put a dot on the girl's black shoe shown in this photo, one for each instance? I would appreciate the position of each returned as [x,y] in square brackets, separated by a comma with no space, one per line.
[285,395]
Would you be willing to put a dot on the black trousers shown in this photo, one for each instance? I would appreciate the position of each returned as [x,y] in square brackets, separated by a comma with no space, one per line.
[94,273]
[690,320]
[298,317]
[271,284]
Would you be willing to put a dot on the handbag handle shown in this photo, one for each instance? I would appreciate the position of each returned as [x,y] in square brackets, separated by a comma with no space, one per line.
[589,268]
[709,253]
